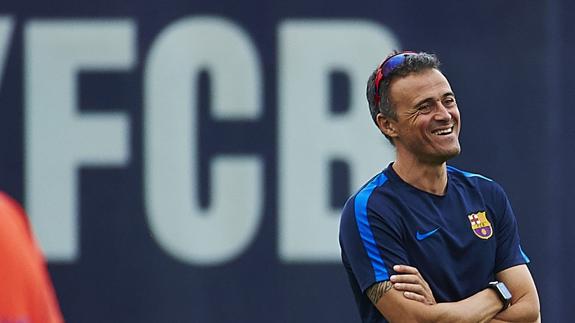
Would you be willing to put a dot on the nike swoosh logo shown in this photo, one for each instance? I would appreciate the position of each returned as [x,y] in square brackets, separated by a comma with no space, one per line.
[421,236]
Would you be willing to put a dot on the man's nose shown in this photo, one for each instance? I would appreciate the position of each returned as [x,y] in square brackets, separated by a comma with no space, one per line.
[442,113]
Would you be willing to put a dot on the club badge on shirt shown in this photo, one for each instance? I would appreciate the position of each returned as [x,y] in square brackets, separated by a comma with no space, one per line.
[480,225]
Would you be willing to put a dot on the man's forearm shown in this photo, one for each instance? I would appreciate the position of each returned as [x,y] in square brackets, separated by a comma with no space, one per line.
[525,302]
[481,307]
[519,312]
[500,321]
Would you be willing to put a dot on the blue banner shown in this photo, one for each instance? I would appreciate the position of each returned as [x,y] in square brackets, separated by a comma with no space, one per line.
[187,161]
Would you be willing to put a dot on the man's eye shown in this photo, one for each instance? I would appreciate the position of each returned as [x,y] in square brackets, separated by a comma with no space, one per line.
[449,101]
[424,108]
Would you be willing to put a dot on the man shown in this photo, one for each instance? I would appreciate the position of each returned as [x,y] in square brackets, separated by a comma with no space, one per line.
[26,292]
[423,241]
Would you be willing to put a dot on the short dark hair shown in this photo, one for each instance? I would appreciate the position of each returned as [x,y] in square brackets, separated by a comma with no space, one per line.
[413,63]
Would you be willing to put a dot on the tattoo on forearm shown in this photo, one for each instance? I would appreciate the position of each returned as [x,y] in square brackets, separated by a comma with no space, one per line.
[376,291]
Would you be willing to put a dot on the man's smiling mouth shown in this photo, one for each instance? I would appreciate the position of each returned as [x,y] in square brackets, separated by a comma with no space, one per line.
[443,132]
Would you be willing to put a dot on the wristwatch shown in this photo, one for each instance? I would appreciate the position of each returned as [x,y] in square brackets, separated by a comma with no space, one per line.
[503,292]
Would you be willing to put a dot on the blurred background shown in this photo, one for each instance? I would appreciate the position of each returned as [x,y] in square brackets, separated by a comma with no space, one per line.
[186,161]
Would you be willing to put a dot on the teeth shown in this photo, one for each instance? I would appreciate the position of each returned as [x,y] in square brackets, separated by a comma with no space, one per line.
[443,131]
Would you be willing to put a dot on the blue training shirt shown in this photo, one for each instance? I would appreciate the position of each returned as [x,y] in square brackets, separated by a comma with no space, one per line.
[457,241]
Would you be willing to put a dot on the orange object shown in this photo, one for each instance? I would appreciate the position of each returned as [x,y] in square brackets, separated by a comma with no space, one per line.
[26,292]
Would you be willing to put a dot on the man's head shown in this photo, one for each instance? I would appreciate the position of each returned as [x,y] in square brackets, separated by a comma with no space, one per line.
[395,65]
[413,105]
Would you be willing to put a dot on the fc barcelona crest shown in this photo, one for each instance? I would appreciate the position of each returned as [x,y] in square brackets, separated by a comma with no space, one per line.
[480,225]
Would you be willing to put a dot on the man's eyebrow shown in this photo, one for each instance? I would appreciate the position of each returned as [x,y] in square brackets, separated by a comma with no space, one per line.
[420,102]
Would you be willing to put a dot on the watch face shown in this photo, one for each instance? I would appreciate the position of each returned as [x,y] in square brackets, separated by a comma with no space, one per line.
[504,291]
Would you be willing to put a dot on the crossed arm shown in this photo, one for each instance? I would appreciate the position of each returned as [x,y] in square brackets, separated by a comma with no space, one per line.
[408,298]
[525,302]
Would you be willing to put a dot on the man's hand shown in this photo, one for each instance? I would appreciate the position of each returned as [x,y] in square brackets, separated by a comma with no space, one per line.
[411,283]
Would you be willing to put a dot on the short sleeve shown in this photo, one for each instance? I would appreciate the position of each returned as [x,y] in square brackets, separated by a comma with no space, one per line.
[370,239]
[509,252]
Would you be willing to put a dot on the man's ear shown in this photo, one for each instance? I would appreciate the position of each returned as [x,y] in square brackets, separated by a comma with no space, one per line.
[386,125]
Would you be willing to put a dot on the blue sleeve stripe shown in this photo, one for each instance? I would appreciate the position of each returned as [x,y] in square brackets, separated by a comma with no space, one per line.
[365,230]
[467,174]
[527,260]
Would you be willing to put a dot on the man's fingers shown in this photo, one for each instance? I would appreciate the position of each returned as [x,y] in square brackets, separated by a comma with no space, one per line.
[416,293]
[409,281]
[415,297]
[405,269]
[412,279]
[414,288]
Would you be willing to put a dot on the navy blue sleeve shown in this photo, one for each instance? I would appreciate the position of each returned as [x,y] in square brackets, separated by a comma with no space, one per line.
[371,242]
[509,251]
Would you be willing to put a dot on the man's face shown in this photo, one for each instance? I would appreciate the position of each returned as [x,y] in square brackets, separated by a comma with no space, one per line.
[428,121]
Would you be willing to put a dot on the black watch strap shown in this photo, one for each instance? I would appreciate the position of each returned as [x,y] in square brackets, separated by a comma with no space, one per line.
[503,292]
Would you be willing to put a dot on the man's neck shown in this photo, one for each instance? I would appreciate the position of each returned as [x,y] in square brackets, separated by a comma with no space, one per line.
[428,177]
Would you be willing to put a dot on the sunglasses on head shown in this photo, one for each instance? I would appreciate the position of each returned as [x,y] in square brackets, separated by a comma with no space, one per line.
[386,67]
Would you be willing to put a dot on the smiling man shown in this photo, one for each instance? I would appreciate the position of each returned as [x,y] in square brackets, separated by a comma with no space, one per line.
[423,241]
